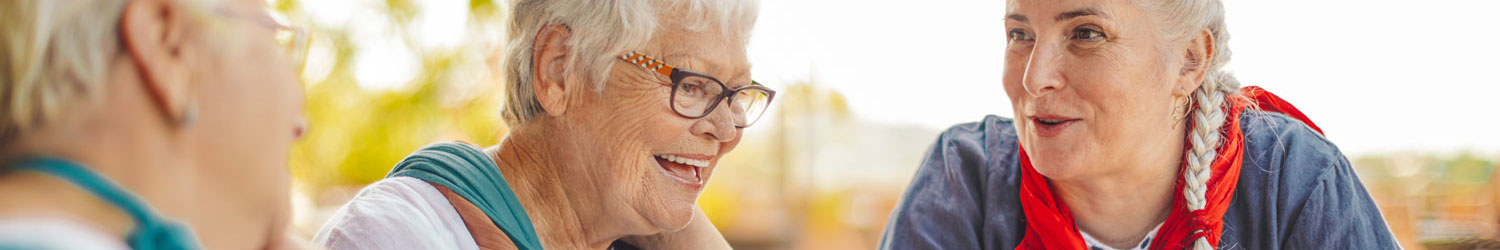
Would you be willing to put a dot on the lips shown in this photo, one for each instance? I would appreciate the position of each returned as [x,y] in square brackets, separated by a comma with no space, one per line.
[685,169]
[1052,125]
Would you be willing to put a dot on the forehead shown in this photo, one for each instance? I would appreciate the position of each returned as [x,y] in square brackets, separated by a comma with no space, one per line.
[1047,9]
[709,50]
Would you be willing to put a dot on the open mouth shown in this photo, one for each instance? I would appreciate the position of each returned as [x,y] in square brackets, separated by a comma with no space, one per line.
[1052,126]
[687,170]
[1052,122]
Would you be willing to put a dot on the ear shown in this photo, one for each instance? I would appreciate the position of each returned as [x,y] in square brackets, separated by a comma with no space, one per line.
[549,61]
[1199,53]
[153,32]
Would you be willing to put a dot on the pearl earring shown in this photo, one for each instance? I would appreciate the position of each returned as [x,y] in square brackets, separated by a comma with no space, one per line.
[189,116]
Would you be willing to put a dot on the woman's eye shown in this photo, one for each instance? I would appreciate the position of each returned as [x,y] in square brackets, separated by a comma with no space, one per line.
[1087,34]
[688,87]
[1018,34]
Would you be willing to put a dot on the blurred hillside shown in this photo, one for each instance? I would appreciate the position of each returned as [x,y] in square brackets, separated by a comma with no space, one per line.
[1436,201]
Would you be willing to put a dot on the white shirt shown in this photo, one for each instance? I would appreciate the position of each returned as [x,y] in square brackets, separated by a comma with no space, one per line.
[55,233]
[1095,244]
[397,213]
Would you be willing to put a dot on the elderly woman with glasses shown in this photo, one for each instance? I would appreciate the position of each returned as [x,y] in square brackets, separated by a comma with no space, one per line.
[146,124]
[619,112]
[1128,135]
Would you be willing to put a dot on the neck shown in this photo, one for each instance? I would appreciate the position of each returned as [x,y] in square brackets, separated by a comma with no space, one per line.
[1120,208]
[566,211]
[116,151]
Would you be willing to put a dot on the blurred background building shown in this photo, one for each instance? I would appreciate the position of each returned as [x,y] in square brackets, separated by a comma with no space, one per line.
[844,136]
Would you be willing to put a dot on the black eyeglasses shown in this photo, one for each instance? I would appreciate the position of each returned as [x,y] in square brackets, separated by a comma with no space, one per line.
[695,95]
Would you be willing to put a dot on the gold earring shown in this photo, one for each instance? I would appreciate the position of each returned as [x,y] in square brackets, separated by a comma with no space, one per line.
[1179,108]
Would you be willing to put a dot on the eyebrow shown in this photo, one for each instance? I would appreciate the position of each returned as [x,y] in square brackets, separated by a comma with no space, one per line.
[1017,17]
[1064,15]
[705,64]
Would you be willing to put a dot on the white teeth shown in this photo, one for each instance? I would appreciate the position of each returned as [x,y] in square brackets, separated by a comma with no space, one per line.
[684,160]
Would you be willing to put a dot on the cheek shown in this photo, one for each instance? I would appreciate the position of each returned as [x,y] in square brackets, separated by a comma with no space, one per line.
[630,112]
[244,131]
[629,122]
[257,100]
[1125,96]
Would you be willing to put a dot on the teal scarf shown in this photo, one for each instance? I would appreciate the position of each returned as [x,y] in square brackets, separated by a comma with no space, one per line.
[472,174]
[151,231]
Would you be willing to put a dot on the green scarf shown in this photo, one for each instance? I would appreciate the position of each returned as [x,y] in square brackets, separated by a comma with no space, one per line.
[472,174]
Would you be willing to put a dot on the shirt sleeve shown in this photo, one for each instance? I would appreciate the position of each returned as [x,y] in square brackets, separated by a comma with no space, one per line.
[41,233]
[1340,214]
[396,213]
[942,207]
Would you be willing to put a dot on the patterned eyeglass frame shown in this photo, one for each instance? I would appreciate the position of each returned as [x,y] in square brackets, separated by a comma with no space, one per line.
[677,75]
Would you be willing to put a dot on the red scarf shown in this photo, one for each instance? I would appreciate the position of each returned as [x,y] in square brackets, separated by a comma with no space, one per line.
[1049,223]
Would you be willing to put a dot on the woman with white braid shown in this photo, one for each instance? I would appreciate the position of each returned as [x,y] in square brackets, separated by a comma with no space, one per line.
[1129,135]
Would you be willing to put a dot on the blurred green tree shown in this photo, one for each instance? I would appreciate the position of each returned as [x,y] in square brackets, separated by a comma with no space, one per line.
[355,134]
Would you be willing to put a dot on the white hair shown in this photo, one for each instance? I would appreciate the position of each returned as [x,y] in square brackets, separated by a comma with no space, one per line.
[601,30]
[54,55]
[1184,20]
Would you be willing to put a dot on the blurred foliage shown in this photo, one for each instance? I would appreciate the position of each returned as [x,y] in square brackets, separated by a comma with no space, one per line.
[355,135]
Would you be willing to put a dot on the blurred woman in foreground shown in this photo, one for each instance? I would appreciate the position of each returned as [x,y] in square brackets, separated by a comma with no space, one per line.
[146,124]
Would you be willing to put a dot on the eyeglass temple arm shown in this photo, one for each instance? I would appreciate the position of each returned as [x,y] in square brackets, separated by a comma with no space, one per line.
[649,63]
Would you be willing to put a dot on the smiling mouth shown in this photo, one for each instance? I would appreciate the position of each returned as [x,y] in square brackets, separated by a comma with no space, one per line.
[686,170]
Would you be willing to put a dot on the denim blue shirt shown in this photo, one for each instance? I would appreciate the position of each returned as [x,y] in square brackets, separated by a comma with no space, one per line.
[1296,191]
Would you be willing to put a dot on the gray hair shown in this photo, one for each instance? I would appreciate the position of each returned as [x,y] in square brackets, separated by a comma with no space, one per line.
[1184,20]
[600,31]
[55,54]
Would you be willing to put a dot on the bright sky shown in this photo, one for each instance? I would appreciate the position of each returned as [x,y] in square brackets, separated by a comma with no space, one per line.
[1377,75]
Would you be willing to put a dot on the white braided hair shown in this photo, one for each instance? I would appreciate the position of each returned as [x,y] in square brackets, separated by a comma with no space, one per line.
[1182,21]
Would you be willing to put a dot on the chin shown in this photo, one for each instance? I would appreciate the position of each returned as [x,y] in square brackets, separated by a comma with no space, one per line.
[673,217]
[670,202]
[1057,162]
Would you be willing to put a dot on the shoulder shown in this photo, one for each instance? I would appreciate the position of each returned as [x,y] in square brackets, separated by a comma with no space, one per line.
[964,194]
[982,155]
[396,213]
[980,147]
[1271,137]
[993,131]
[1296,189]
[1285,156]
[53,233]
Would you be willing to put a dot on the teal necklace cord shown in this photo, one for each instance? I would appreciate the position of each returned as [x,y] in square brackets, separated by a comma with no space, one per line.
[151,231]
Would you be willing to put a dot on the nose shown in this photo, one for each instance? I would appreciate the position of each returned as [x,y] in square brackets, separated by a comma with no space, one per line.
[1043,70]
[718,125]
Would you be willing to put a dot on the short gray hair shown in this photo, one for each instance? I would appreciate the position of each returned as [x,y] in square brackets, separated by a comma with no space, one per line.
[600,31]
[54,55]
